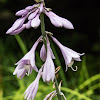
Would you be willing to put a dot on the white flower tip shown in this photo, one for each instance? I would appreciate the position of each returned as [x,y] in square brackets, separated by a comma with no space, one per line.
[70,26]
[9,31]
[14,73]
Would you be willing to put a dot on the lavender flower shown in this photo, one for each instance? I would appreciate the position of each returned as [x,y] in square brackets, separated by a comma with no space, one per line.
[27,63]
[59,21]
[68,54]
[43,54]
[33,13]
[31,91]
[49,68]
[30,12]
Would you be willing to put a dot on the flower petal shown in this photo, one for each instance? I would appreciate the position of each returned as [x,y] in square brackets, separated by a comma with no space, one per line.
[33,15]
[28,24]
[18,23]
[43,54]
[49,68]
[21,12]
[54,19]
[16,31]
[35,22]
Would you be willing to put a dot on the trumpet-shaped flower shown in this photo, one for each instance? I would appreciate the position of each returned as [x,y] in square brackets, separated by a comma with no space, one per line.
[27,63]
[49,68]
[31,91]
[43,54]
[68,54]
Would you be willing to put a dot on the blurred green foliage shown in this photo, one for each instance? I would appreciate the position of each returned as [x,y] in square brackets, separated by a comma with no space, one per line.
[81,86]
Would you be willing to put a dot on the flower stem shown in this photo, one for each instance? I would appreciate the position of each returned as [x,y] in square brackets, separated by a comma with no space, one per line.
[45,43]
[57,89]
[43,30]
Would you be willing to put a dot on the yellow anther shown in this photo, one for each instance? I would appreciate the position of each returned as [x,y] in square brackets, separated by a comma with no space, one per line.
[57,69]
[27,66]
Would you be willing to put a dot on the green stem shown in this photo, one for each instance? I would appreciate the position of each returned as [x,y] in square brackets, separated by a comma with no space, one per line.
[42,24]
[57,89]
[45,43]
[43,30]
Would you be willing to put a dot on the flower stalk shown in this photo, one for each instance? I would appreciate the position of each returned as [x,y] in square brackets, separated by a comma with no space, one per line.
[45,43]
[43,29]
[57,89]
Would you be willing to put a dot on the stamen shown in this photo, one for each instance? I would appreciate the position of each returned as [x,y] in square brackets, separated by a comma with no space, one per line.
[71,63]
[57,69]
[49,33]
[48,9]
[27,66]
[74,69]
[28,72]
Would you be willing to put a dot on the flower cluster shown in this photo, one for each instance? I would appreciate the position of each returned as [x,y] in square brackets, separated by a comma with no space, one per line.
[47,71]
[27,63]
[33,13]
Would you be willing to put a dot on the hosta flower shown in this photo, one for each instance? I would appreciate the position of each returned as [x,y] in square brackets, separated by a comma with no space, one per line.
[49,68]
[27,63]
[59,21]
[32,13]
[31,91]
[68,54]
[43,54]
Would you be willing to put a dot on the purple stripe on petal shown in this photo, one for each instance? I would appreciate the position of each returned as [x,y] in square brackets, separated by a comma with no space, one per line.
[18,30]
[18,23]
[9,31]
[32,15]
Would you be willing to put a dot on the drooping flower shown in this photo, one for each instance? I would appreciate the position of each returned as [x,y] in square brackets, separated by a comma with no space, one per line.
[31,91]
[58,21]
[68,54]
[27,63]
[33,13]
[43,54]
[30,12]
[49,68]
